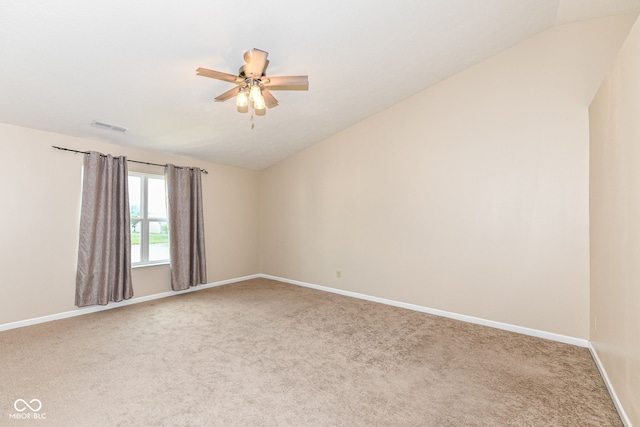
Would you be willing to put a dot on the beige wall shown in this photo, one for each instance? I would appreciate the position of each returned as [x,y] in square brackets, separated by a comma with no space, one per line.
[40,193]
[470,197]
[615,225]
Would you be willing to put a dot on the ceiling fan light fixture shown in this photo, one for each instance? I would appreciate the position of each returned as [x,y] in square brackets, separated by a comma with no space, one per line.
[253,90]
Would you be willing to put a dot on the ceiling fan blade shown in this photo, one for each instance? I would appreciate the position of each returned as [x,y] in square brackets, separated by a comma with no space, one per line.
[256,60]
[227,95]
[218,75]
[287,82]
[269,99]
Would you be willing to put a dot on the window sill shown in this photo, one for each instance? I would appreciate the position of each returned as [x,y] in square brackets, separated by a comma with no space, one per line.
[150,264]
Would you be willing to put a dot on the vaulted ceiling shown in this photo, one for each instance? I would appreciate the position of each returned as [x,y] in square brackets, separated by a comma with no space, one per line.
[66,63]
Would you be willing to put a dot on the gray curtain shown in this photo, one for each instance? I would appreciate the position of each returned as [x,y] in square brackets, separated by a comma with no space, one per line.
[186,227]
[104,252]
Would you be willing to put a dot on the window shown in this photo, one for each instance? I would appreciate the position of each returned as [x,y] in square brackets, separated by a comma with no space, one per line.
[149,227]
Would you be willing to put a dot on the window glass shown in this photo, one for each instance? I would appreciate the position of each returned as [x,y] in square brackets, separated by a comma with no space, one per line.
[157,204]
[135,196]
[158,240]
[136,255]
[149,227]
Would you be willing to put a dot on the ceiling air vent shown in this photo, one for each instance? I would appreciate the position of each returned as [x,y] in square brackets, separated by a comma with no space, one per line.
[108,126]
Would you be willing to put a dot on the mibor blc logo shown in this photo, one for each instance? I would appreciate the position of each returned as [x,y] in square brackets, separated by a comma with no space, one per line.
[28,410]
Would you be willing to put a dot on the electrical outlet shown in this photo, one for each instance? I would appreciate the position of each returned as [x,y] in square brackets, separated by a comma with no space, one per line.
[338,274]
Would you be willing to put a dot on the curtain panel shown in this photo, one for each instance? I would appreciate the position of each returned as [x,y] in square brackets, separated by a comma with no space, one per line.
[186,227]
[104,250]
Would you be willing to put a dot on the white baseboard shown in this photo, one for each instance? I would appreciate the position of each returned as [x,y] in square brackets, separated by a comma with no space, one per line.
[456,316]
[603,373]
[470,319]
[135,300]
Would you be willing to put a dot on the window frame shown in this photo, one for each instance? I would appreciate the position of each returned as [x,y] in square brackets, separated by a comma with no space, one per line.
[144,219]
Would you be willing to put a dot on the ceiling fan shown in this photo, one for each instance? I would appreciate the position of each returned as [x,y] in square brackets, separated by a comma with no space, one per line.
[253,86]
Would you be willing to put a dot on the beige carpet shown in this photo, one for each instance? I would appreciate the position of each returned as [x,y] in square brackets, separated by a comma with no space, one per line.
[264,353]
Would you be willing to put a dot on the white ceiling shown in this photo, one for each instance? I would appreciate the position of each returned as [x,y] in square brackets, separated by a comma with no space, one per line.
[66,63]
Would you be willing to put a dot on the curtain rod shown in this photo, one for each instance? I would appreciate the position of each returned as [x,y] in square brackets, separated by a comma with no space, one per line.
[128,160]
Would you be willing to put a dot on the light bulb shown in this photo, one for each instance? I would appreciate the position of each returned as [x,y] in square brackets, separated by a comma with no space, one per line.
[255,92]
[259,103]
[241,99]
